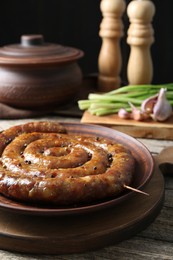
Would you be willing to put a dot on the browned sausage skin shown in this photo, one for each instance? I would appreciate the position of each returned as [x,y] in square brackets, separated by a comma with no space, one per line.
[40,162]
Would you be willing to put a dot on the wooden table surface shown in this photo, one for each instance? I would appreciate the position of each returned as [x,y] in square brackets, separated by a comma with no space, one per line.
[155,242]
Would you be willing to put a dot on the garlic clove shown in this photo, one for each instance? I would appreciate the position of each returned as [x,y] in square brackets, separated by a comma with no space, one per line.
[149,103]
[124,114]
[162,109]
[138,114]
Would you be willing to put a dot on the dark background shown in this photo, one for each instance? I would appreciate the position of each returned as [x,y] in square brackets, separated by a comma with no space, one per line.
[76,23]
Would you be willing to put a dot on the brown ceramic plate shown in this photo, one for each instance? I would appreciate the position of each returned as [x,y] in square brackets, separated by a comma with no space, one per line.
[143,173]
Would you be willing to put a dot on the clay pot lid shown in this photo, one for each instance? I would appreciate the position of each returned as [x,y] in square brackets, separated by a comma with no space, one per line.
[33,50]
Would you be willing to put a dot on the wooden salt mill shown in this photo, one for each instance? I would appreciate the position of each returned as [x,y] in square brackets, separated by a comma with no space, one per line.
[111,30]
[140,37]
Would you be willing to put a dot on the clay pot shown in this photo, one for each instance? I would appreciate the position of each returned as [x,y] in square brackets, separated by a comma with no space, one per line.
[34,74]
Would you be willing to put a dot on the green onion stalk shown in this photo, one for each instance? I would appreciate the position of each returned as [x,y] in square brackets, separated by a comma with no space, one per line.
[111,102]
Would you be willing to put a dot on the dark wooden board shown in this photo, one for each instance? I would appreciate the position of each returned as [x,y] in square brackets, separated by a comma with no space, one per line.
[83,232]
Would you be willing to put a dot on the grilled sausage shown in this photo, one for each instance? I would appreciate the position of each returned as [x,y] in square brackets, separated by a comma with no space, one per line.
[41,162]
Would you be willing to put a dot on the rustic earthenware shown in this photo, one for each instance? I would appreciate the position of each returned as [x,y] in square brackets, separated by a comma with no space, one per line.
[35,74]
[142,176]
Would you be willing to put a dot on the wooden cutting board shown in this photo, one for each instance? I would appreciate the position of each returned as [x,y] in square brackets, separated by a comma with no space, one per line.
[83,232]
[141,129]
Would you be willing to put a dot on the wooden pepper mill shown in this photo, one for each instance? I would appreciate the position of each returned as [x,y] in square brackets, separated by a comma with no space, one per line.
[111,31]
[140,37]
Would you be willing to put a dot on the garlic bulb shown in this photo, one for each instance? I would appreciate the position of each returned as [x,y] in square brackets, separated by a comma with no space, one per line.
[162,109]
[157,106]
